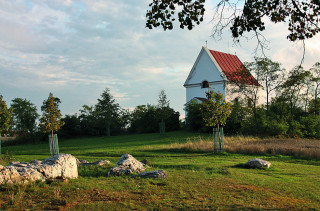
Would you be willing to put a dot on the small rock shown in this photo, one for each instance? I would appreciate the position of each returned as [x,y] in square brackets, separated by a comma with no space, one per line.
[101,163]
[81,162]
[257,163]
[153,174]
[118,171]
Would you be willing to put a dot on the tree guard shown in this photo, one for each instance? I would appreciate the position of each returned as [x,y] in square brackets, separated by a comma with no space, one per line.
[162,128]
[218,139]
[53,144]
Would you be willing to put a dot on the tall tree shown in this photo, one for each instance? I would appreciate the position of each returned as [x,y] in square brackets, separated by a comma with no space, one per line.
[163,110]
[50,120]
[24,115]
[107,110]
[269,74]
[293,86]
[248,86]
[215,111]
[5,116]
[315,71]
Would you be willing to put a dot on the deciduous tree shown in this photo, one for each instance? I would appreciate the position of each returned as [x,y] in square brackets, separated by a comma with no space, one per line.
[24,115]
[50,120]
[163,109]
[5,116]
[215,110]
[301,16]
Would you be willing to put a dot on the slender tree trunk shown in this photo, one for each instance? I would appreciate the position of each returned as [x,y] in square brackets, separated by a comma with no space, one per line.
[306,101]
[267,90]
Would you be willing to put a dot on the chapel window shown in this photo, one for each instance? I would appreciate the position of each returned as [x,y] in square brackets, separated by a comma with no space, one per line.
[205,84]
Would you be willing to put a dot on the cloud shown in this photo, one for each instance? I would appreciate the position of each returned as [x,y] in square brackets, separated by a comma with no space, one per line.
[76,49]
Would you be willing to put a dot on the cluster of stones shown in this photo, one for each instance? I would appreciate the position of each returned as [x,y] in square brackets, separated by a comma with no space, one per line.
[61,165]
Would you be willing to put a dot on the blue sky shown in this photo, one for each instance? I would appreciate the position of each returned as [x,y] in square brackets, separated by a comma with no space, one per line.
[76,49]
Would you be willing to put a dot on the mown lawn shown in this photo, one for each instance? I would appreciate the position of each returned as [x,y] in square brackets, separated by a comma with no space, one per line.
[197,181]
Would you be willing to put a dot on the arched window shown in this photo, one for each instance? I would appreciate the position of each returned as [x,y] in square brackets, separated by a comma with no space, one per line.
[205,84]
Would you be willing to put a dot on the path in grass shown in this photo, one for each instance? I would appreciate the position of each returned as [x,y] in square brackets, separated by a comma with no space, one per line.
[196,180]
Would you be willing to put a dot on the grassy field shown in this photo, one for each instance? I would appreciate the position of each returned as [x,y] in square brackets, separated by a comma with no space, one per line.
[198,179]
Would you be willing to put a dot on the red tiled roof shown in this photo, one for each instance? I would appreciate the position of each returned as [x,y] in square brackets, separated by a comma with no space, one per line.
[231,66]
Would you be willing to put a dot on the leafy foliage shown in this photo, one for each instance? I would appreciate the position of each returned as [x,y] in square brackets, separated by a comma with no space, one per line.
[215,110]
[145,119]
[5,116]
[163,13]
[24,115]
[51,115]
[302,16]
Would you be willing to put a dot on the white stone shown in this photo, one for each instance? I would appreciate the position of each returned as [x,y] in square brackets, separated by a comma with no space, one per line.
[126,165]
[257,163]
[62,165]
[153,174]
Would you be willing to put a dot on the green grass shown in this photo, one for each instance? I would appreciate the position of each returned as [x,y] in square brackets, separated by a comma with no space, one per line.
[197,180]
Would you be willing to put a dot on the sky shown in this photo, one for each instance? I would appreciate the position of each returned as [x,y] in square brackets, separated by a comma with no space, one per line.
[76,49]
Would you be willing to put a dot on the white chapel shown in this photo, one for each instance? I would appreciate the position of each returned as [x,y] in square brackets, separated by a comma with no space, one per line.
[216,70]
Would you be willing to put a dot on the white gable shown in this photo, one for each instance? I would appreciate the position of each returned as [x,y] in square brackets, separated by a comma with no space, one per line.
[204,69]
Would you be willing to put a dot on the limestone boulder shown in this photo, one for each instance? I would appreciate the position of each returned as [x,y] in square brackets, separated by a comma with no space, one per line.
[257,163]
[62,165]
[126,165]
[153,174]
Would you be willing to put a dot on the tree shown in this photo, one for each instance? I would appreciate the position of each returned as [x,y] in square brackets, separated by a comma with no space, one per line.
[5,116]
[292,88]
[302,17]
[88,120]
[247,85]
[24,115]
[315,70]
[268,73]
[51,115]
[194,119]
[145,119]
[71,128]
[107,110]
[215,111]
[163,110]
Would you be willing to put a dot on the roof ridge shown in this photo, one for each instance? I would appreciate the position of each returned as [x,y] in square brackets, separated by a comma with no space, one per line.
[222,52]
